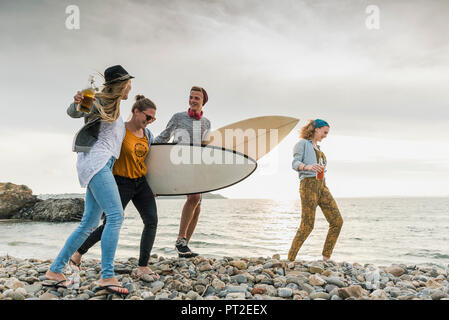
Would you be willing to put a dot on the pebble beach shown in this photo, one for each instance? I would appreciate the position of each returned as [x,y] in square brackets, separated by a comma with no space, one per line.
[229,278]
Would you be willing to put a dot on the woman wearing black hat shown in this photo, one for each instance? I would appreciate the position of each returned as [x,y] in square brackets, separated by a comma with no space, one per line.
[98,145]
[129,172]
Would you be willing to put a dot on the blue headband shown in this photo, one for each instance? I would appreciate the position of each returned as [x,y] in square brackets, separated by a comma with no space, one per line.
[318,123]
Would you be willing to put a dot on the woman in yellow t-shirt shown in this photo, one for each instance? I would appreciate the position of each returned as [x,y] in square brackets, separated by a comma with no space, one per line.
[129,173]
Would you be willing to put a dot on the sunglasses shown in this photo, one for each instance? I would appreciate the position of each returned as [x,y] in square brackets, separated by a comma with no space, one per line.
[149,117]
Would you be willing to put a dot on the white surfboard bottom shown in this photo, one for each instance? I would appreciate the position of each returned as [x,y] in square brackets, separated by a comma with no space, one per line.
[175,169]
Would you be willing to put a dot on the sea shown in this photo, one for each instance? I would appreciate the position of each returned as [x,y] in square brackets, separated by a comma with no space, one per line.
[380,231]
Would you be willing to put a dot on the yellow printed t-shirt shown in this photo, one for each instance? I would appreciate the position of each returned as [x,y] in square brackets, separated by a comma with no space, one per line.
[131,163]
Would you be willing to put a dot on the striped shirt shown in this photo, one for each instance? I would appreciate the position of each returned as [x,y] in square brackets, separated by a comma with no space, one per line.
[184,129]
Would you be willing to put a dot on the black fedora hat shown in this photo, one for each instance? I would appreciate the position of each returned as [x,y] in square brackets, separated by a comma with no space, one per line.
[115,74]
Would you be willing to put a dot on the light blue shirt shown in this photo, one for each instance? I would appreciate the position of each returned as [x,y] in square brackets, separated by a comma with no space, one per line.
[304,153]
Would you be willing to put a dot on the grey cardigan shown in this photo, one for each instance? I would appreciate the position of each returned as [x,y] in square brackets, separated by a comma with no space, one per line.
[86,137]
[304,153]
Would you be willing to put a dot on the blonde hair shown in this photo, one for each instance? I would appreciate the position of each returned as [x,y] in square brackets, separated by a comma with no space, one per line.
[111,95]
[308,130]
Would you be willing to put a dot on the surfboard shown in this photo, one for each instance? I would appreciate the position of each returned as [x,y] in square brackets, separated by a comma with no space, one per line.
[180,169]
[254,137]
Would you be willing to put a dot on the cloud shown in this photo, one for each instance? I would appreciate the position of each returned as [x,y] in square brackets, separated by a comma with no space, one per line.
[306,59]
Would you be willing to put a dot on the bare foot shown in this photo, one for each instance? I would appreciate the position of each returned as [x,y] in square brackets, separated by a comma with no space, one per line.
[76,257]
[50,275]
[75,261]
[113,284]
[146,270]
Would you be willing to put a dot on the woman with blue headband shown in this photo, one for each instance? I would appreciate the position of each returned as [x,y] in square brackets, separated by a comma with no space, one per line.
[310,162]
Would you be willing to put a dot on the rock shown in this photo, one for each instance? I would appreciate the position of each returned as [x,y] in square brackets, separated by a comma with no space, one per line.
[379,295]
[360,278]
[210,291]
[14,283]
[335,281]
[315,280]
[236,296]
[395,270]
[239,264]
[319,295]
[192,295]
[316,269]
[352,291]
[330,287]
[205,267]
[285,292]
[328,273]
[297,279]
[157,286]
[268,272]
[147,295]
[240,278]
[147,278]
[261,278]
[13,198]
[218,284]
[33,289]
[54,210]
[434,284]
[200,289]
[306,287]
[83,296]
[233,289]
[276,256]
[258,291]
[438,295]
[122,269]
[334,292]
[48,296]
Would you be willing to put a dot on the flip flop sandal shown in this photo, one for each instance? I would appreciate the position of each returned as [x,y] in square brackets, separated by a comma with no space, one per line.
[56,284]
[73,263]
[109,289]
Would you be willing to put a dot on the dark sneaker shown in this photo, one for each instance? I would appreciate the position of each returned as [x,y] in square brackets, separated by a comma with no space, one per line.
[181,247]
[189,255]
[183,250]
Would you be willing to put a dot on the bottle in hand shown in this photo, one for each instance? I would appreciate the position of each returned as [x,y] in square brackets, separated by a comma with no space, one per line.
[88,96]
[320,175]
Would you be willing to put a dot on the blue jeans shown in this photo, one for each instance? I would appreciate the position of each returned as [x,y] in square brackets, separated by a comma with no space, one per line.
[102,195]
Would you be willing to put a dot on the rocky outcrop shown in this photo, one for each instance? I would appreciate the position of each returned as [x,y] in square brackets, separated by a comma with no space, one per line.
[13,198]
[54,210]
[18,202]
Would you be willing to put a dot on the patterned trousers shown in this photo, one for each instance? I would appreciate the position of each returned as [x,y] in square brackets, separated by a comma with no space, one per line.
[315,193]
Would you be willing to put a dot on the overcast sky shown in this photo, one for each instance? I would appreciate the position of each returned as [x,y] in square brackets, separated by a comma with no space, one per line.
[384,91]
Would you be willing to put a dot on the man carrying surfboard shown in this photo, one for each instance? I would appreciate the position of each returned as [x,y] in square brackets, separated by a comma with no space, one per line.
[188,127]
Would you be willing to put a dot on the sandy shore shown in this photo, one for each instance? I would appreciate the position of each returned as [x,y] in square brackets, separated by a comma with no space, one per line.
[230,278]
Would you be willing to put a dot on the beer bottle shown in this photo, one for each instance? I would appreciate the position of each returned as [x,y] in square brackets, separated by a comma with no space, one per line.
[88,95]
[320,175]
